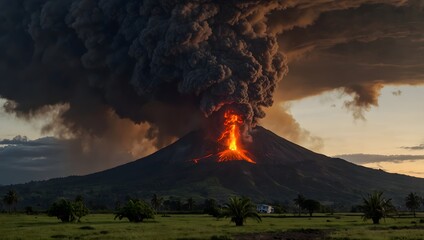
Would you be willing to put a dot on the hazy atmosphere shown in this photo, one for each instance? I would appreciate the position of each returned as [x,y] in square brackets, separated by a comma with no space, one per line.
[212,119]
[81,93]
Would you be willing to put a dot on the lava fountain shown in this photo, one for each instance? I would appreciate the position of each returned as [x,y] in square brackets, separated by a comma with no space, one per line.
[230,138]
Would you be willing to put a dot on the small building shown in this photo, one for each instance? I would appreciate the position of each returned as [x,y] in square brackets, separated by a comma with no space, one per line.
[264,208]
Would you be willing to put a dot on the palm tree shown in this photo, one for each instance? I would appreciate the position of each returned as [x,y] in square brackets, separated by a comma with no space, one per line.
[413,202]
[11,199]
[376,207]
[156,202]
[239,209]
[299,202]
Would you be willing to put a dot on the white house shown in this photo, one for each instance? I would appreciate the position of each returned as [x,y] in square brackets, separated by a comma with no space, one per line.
[263,208]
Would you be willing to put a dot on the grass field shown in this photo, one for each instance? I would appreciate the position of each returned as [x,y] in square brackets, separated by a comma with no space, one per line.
[103,226]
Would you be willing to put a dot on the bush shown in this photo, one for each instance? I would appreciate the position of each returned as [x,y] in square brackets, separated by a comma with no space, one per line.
[135,211]
[29,210]
[68,211]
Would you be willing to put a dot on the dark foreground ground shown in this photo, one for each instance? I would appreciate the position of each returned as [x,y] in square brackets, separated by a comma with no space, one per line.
[103,226]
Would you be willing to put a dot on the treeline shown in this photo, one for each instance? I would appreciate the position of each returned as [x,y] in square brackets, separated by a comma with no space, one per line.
[374,206]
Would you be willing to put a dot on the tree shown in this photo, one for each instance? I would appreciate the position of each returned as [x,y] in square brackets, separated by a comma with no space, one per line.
[376,207]
[239,209]
[190,203]
[63,210]
[135,211]
[11,199]
[29,210]
[156,202]
[298,201]
[311,205]
[68,211]
[80,210]
[413,202]
[211,208]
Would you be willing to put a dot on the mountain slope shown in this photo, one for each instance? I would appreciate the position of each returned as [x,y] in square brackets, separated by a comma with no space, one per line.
[283,170]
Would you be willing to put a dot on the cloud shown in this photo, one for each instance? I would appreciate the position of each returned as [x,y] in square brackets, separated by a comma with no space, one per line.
[357,51]
[14,141]
[22,160]
[280,121]
[375,158]
[418,147]
[397,93]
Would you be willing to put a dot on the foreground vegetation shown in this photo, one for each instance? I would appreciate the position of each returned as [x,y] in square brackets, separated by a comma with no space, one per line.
[103,226]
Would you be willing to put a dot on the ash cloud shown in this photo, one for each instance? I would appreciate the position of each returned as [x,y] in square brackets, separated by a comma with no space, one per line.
[139,58]
[150,71]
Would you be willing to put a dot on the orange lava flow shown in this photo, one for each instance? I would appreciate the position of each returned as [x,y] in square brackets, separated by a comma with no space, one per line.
[231,136]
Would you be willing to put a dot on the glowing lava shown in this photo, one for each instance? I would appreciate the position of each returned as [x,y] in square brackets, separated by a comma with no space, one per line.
[231,136]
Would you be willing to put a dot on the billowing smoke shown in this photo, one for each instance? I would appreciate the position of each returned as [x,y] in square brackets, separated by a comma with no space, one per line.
[159,68]
[159,62]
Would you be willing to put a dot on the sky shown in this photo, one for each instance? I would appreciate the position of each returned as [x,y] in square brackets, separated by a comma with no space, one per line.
[343,78]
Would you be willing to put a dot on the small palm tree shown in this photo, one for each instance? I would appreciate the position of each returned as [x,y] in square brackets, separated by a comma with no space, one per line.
[11,199]
[239,209]
[413,202]
[376,207]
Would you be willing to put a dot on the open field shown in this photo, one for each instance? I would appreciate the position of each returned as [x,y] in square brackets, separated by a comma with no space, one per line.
[103,226]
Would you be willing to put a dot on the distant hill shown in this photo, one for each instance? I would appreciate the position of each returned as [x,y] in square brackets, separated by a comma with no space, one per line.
[283,170]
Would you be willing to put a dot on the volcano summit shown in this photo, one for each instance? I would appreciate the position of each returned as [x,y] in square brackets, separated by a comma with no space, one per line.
[282,170]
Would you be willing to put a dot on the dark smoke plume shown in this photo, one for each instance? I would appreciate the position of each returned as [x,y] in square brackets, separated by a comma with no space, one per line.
[153,70]
[161,62]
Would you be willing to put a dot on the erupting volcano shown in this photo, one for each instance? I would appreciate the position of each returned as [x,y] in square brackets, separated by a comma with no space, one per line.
[282,170]
[230,138]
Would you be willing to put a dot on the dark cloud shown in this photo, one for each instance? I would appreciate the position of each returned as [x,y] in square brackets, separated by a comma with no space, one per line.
[357,51]
[375,158]
[418,147]
[139,59]
[22,160]
[16,140]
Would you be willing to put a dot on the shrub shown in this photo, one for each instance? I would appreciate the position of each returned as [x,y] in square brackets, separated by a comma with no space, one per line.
[68,211]
[135,211]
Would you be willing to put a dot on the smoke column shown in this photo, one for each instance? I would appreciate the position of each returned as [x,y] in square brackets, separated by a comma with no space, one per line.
[138,58]
[164,64]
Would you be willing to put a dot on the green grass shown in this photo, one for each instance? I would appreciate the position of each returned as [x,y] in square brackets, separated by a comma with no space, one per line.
[103,226]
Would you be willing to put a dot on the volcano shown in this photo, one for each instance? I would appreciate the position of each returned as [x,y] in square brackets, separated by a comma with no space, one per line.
[281,170]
